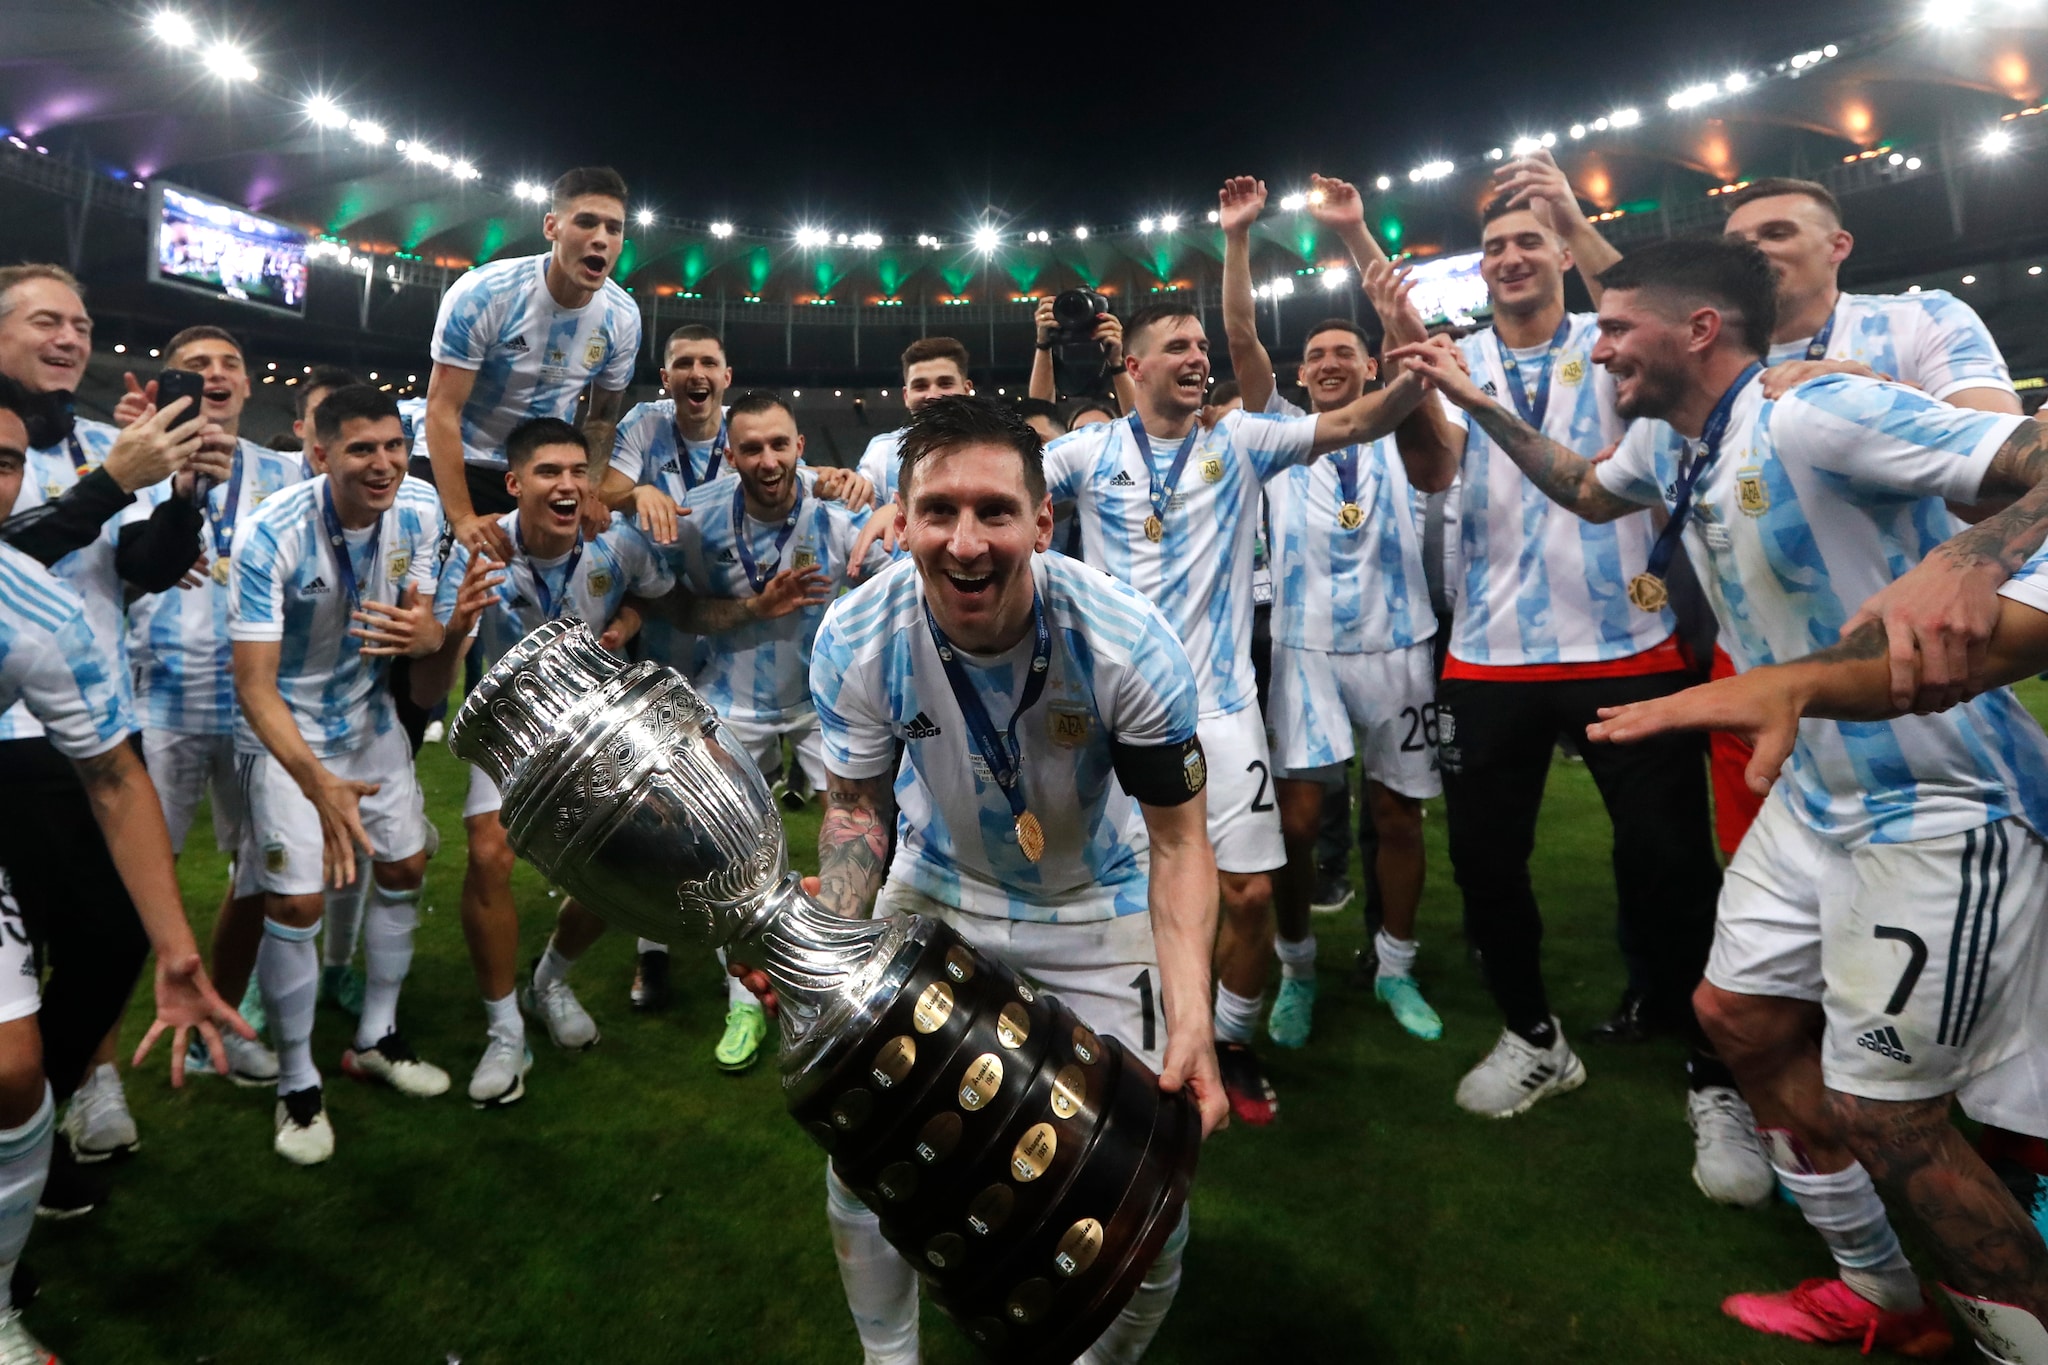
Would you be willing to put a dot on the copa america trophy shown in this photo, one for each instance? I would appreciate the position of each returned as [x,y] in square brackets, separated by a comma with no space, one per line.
[1029,1169]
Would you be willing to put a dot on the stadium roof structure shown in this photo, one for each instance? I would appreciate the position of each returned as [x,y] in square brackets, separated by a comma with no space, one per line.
[1921,120]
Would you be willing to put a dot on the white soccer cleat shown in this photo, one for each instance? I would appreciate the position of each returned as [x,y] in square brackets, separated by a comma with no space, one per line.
[97,1122]
[500,1075]
[569,1024]
[304,1136]
[1728,1165]
[434,733]
[18,1346]
[394,1063]
[1517,1073]
[250,1064]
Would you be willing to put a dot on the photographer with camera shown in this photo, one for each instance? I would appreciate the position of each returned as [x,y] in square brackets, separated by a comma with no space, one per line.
[1080,350]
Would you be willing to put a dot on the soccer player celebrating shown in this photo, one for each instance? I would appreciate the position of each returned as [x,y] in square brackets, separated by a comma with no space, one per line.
[184,674]
[1351,630]
[743,533]
[1545,634]
[328,580]
[1794,510]
[933,367]
[667,446]
[74,683]
[1034,701]
[524,337]
[1171,508]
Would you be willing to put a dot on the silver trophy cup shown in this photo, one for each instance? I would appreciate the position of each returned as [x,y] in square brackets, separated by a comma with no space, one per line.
[1031,1170]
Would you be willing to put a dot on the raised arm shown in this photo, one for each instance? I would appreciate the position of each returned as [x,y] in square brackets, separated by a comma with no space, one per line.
[1338,205]
[853,842]
[1238,204]
[1043,386]
[1371,415]
[1432,446]
[1566,477]
[1536,182]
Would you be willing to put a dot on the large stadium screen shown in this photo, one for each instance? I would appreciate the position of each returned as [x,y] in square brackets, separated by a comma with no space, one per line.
[1448,289]
[227,251]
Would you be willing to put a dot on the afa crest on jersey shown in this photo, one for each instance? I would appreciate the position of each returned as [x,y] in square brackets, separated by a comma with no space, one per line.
[1067,726]
[600,582]
[1212,469]
[1750,493]
[803,559]
[401,560]
[1573,371]
[593,354]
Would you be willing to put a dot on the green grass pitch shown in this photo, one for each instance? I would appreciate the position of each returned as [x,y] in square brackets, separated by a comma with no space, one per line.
[640,1206]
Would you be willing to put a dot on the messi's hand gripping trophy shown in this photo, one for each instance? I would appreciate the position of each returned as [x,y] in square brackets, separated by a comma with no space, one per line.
[1029,1169]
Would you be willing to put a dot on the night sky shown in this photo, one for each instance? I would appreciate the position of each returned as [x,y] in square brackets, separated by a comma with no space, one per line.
[926,117]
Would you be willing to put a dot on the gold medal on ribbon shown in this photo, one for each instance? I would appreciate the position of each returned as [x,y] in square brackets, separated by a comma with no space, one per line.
[1030,837]
[1155,529]
[1648,592]
[220,571]
[1350,516]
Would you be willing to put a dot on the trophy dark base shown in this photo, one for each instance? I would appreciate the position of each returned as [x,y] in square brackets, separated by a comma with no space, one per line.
[1031,1170]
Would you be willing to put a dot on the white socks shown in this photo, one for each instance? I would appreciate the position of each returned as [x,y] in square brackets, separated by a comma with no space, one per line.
[1397,955]
[1124,1341]
[1845,1210]
[288,970]
[1236,1015]
[553,968]
[387,957]
[341,913]
[881,1288]
[1297,960]
[505,1020]
[735,993]
[24,1166]
[648,945]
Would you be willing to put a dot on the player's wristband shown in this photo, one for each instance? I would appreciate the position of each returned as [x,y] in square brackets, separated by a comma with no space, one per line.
[1161,774]
[1047,345]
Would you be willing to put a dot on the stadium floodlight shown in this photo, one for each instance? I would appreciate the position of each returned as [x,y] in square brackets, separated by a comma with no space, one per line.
[1522,146]
[368,133]
[462,170]
[1336,277]
[987,239]
[229,62]
[1896,159]
[326,112]
[1550,139]
[842,239]
[1737,80]
[1578,130]
[1216,215]
[1945,14]
[523,189]
[1997,142]
[1291,202]
[1385,182]
[173,29]
[808,237]
[867,241]
[1169,222]
[645,217]
[1625,118]
[1599,125]
[1080,234]
[1431,170]
[1282,286]
[441,161]
[1912,163]
[1830,50]
[721,229]
[1146,225]
[1693,96]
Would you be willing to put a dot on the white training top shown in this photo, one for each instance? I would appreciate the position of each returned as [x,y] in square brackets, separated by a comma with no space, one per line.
[1541,585]
[1200,574]
[1116,674]
[1817,502]
[532,357]
[286,584]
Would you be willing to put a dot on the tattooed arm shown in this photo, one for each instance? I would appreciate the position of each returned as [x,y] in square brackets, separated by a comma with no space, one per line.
[1939,616]
[853,842]
[1566,477]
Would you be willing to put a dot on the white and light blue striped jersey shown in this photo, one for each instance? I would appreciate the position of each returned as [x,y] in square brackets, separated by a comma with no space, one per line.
[54,666]
[532,357]
[412,415]
[1117,674]
[285,584]
[178,641]
[88,570]
[761,671]
[617,562]
[1931,340]
[1541,585]
[882,462]
[1817,502]
[1359,590]
[645,450]
[1200,574]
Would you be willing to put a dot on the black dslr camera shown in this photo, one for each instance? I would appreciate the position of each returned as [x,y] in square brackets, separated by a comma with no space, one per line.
[1079,367]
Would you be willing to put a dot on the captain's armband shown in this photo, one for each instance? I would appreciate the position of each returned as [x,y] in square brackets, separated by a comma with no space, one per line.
[1161,774]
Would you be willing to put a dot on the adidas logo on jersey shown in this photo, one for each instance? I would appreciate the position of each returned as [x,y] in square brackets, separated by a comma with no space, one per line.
[1885,1042]
[728,555]
[921,727]
[1123,479]
[671,467]
[317,585]
[517,344]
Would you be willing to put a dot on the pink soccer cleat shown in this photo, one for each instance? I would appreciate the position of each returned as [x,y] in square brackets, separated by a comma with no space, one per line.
[1830,1311]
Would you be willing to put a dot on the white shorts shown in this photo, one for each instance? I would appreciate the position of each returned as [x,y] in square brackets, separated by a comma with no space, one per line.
[182,768]
[1107,971]
[1318,699]
[763,743]
[1244,819]
[285,829]
[484,797]
[20,991]
[1927,958]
